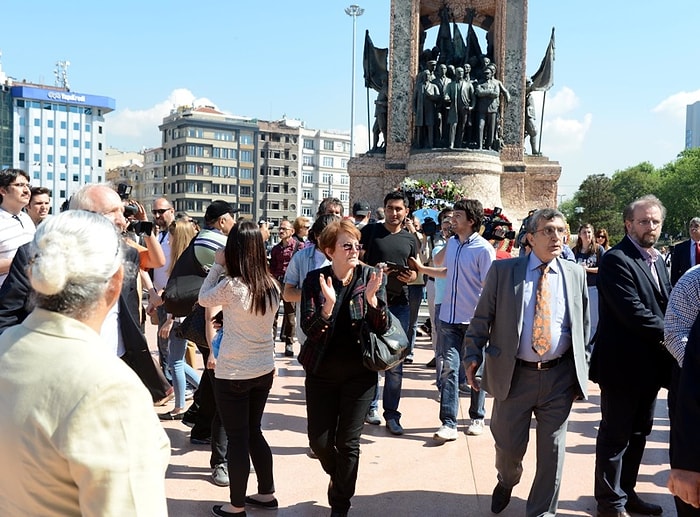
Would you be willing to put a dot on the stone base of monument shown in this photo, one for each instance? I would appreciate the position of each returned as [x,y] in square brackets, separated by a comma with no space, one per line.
[515,186]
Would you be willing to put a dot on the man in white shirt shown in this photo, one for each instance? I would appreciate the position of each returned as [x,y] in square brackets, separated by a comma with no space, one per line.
[16,227]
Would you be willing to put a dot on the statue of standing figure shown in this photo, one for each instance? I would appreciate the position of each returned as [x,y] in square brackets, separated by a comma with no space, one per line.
[443,106]
[531,119]
[488,93]
[460,96]
[424,99]
[381,105]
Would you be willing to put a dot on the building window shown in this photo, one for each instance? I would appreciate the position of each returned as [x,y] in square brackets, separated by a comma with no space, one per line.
[328,161]
[62,176]
[246,174]
[307,177]
[63,160]
[245,191]
[37,175]
[21,157]
[344,163]
[99,146]
[246,138]
[49,176]
[308,144]
[327,178]
[49,158]
[246,156]
[76,177]
[245,208]
[328,145]
[37,122]
[345,196]
[49,123]
[49,140]
[87,145]
[63,142]
[86,178]
[308,160]
[87,128]
[344,179]
[76,143]
[306,211]
[37,140]
[99,163]
[37,158]
[99,129]
[64,124]
[76,126]
[215,188]
[87,161]
[307,195]
[76,160]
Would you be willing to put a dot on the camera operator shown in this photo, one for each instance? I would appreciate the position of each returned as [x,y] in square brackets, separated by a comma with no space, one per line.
[139,232]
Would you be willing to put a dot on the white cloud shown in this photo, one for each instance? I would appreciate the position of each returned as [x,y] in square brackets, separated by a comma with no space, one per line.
[674,106]
[134,129]
[563,131]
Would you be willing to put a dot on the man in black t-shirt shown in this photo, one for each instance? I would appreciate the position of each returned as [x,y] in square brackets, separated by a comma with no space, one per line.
[391,244]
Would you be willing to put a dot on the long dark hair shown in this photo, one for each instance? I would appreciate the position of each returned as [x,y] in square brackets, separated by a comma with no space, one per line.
[246,258]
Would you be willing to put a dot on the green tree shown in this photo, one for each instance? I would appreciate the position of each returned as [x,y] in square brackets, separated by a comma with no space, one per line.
[634,182]
[594,203]
[679,193]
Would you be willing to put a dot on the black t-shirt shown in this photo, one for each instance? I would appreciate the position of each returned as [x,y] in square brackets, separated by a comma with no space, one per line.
[383,246]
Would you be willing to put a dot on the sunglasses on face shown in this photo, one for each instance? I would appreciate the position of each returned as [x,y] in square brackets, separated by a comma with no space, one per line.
[348,246]
[159,211]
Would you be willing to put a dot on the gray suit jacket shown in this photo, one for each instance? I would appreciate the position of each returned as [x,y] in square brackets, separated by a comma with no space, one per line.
[498,321]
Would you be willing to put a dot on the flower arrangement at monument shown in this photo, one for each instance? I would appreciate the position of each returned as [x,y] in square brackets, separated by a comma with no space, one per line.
[437,194]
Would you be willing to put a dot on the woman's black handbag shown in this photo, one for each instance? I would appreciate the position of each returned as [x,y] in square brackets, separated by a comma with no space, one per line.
[383,352]
[193,327]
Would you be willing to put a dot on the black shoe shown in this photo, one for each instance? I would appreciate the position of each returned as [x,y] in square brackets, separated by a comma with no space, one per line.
[636,505]
[335,513]
[218,512]
[200,441]
[261,504]
[500,498]
[288,350]
[431,363]
[408,360]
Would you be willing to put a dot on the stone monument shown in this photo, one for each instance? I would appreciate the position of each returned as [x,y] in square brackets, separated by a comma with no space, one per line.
[505,177]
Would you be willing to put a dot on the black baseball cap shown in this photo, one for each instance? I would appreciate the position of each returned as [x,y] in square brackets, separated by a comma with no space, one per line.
[361,208]
[218,208]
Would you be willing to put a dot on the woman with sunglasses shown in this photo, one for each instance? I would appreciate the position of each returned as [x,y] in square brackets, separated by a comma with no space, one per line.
[601,238]
[339,389]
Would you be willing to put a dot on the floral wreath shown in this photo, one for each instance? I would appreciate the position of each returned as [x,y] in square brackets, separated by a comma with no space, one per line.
[443,193]
[438,194]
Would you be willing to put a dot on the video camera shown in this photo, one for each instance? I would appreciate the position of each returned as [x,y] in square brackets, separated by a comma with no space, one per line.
[496,226]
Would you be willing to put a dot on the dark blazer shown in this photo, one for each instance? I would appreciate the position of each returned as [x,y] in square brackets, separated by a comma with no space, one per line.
[16,303]
[494,331]
[629,349]
[685,420]
[680,260]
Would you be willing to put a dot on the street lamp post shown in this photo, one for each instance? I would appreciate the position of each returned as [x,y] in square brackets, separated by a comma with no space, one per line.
[354,11]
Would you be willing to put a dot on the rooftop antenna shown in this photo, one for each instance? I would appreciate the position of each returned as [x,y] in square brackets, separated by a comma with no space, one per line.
[61,73]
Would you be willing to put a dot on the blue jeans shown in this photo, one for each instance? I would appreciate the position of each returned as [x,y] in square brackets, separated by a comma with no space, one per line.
[415,297]
[393,377]
[180,371]
[451,340]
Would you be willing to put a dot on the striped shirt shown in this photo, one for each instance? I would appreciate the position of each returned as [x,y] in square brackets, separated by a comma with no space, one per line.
[682,310]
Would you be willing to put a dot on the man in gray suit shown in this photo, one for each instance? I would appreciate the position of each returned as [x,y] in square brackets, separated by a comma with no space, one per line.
[530,367]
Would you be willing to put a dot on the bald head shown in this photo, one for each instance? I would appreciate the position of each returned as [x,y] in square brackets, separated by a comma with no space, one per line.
[100,199]
[163,213]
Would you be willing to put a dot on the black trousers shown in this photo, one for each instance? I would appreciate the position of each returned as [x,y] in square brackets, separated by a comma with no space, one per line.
[337,400]
[241,404]
[207,421]
[627,418]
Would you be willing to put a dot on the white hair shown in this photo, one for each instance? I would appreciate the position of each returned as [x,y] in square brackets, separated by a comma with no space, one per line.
[72,258]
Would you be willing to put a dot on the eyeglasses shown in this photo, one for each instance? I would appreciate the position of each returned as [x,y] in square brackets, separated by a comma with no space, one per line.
[600,236]
[286,229]
[649,222]
[307,227]
[551,231]
[160,211]
[349,246]
[21,185]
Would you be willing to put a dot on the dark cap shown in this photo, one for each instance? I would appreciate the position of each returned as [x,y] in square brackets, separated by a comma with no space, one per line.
[218,208]
[361,208]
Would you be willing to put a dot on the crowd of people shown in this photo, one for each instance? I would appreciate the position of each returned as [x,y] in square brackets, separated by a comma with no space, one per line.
[523,329]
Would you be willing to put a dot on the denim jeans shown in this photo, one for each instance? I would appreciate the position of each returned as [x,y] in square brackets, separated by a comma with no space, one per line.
[415,297]
[393,377]
[241,404]
[180,371]
[337,399]
[451,340]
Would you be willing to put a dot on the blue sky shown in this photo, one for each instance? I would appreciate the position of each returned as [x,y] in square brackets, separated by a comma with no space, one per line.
[624,71]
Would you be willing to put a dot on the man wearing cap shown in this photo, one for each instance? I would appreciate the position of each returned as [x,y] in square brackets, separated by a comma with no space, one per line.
[361,212]
[219,219]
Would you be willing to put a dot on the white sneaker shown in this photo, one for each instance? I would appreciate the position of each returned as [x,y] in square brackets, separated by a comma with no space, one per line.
[372,417]
[445,434]
[476,427]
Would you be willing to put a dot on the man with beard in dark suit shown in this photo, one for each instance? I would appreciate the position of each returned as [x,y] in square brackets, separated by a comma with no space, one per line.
[687,253]
[629,361]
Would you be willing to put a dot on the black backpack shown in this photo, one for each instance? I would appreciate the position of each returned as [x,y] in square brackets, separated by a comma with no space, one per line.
[183,286]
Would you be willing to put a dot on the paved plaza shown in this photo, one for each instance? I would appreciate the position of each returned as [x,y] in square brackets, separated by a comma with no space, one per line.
[409,475]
